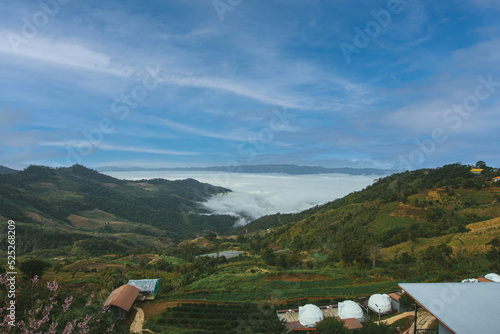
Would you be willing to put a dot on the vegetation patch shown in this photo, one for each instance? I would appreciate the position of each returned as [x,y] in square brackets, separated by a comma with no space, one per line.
[297,277]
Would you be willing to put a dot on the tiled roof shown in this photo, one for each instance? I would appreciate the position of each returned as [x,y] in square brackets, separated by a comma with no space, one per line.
[395,296]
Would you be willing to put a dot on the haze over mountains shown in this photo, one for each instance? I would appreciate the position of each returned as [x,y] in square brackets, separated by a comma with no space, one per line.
[261,169]
[257,194]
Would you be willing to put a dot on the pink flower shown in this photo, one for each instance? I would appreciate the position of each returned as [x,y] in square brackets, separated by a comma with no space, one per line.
[67,303]
[21,325]
[52,286]
[35,279]
[68,329]
[52,328]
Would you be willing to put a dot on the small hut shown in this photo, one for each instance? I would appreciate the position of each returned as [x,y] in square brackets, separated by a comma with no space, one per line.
[350,309]
[149,287]
[380,303]
[121,299]
[309,315]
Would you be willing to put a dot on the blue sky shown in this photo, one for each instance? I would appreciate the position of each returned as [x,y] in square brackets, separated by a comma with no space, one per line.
[388,84]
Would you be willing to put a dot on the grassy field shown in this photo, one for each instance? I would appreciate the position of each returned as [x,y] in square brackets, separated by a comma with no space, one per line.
[386,220]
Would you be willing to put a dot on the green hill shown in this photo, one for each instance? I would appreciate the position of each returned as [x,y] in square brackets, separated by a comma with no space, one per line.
[409,208]
[69,206]
[431,225]
[7,170]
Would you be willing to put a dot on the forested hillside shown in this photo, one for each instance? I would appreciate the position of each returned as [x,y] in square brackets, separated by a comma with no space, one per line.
[7,170]
[420,217]
[57,207]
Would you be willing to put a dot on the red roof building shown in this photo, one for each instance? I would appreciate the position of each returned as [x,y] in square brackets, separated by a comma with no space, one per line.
[121,299]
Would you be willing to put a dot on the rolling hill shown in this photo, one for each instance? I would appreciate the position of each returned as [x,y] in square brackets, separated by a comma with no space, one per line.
[403,212]
[7,170]
[96,232]
[77,206]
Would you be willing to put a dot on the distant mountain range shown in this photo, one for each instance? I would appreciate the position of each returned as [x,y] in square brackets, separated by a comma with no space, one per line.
[7,170]
[261,169]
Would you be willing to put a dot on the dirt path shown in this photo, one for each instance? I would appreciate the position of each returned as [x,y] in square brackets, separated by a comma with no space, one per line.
[395,318]
[136,326]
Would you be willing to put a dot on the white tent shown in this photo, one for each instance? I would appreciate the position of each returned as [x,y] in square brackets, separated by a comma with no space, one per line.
[470,280]
[309,315]
[380,303]
[493,277]
[349,309]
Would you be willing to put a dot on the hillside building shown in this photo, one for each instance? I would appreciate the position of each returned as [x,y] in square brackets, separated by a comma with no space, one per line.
[476,171]
[395,304]
[493,277]
[380,303]
[309,315]
[149,288]
[121,299]
[350,309]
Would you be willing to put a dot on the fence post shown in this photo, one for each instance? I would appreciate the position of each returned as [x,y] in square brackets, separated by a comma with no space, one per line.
[415,326]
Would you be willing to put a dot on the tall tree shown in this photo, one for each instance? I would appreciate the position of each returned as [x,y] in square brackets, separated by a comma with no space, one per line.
[32,267]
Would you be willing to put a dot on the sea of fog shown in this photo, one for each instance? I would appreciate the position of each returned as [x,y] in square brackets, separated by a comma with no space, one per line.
[256,195]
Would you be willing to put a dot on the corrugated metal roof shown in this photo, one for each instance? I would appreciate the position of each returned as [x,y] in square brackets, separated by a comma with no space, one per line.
[146,285]
[122,297]
[462,307]
[228,254]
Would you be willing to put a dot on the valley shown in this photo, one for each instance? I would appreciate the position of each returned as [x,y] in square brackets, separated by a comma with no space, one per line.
[92,233]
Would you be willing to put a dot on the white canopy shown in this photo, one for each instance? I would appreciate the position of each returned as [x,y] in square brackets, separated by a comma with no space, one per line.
[309,315]
[380,303]
[349,309]
[493,277]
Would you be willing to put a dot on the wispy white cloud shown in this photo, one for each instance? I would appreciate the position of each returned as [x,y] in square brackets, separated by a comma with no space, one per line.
[202,133]
[85,144]
[59,53]
[144,150]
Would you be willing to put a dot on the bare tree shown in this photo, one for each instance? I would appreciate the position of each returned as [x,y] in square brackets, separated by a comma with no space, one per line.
[375,253]
[75,267]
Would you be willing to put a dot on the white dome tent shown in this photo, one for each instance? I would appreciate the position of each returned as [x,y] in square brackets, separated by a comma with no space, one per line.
[380,303]
[493,277]
[309,315]
[470,280]
[349,309]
